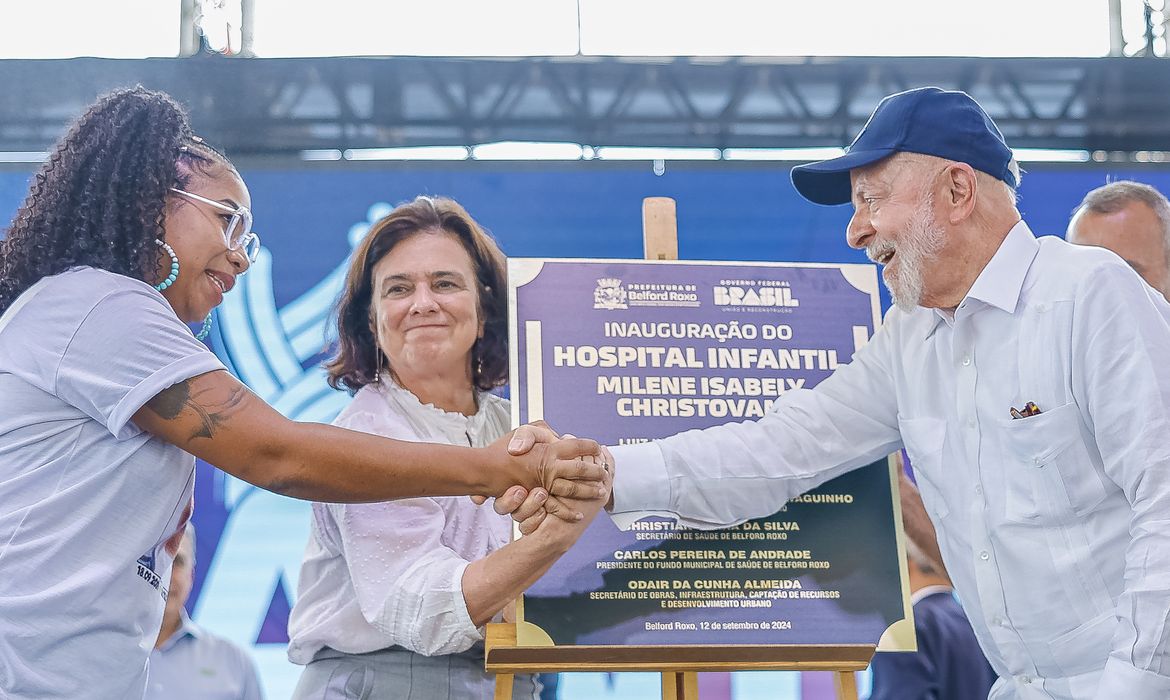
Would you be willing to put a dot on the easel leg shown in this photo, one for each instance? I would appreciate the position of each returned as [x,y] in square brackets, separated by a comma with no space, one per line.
[680,686]
[846,684]
[670,686]
[503,686]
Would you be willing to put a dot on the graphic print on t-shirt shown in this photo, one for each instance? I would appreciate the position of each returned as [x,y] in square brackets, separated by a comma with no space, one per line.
[147,570]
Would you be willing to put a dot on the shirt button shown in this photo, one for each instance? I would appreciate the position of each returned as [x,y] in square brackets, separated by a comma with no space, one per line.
[966,360]
[970,422]
[997,621]
[1026,680]
[979,490]
[984,555]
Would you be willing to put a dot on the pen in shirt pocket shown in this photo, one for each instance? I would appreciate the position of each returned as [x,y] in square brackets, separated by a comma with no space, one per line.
[1030,409]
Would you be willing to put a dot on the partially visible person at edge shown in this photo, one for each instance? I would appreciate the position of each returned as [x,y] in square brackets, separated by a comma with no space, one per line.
[1027,379]
[1131,219]
[392,597]
[188,662]
[949,665]
[133,228]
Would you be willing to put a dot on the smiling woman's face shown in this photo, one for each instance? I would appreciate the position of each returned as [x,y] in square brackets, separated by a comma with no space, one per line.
[425,307]
[195,231]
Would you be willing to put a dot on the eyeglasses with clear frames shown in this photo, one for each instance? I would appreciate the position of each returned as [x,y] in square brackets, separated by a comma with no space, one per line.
[238,234]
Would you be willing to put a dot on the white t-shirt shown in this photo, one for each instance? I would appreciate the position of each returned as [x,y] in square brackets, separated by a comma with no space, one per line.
[88,501]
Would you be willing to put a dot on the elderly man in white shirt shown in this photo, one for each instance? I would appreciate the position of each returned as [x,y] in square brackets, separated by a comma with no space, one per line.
[1027,378]
[1133,220]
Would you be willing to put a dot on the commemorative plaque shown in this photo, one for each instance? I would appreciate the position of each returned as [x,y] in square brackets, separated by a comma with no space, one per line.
[628,351]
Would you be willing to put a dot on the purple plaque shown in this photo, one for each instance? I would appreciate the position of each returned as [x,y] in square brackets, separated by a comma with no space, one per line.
[628,351]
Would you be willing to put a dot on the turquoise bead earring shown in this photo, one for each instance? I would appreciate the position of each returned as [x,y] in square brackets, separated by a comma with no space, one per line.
[171,280]
[174,267]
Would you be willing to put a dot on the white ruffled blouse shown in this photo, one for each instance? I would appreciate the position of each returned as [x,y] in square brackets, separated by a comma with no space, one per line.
[377,575]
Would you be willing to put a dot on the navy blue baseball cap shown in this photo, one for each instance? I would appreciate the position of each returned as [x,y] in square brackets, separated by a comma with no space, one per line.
[936,122]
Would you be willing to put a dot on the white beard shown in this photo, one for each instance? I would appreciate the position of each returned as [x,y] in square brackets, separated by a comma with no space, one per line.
[920,245]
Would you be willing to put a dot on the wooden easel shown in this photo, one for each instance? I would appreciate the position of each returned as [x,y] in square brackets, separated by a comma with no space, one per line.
[679,665]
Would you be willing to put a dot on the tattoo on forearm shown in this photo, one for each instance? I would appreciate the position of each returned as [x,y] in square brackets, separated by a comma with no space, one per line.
[211,405]
[169,402]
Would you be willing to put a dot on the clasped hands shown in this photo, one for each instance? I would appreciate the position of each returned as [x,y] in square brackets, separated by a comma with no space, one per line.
[570,478]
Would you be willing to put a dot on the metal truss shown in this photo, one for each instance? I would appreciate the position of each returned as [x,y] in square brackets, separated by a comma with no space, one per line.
[276,106]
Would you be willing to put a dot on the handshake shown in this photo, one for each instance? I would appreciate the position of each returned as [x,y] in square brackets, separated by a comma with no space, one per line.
[564,476]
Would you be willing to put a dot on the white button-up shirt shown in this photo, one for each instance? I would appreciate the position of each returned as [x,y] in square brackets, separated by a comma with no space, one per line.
[1056,527]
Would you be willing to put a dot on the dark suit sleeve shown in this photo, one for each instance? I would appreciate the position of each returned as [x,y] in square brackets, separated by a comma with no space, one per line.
[903,676]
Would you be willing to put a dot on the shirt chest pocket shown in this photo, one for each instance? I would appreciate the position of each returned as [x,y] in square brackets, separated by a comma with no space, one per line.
[924,439]
[1049,477]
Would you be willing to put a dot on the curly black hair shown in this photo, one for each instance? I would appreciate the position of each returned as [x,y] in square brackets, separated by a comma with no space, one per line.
[99,198]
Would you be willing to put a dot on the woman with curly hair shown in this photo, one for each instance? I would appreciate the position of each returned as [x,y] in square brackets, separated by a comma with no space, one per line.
[132,228]
[393,596]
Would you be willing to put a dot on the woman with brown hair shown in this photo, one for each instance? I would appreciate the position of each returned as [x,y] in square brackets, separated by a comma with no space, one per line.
[133,228]
[392,596]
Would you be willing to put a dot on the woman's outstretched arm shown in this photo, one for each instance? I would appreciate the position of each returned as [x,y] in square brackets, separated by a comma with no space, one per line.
[216,418]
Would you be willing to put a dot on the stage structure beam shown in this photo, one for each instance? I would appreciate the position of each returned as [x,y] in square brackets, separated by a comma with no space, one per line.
[282,106]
